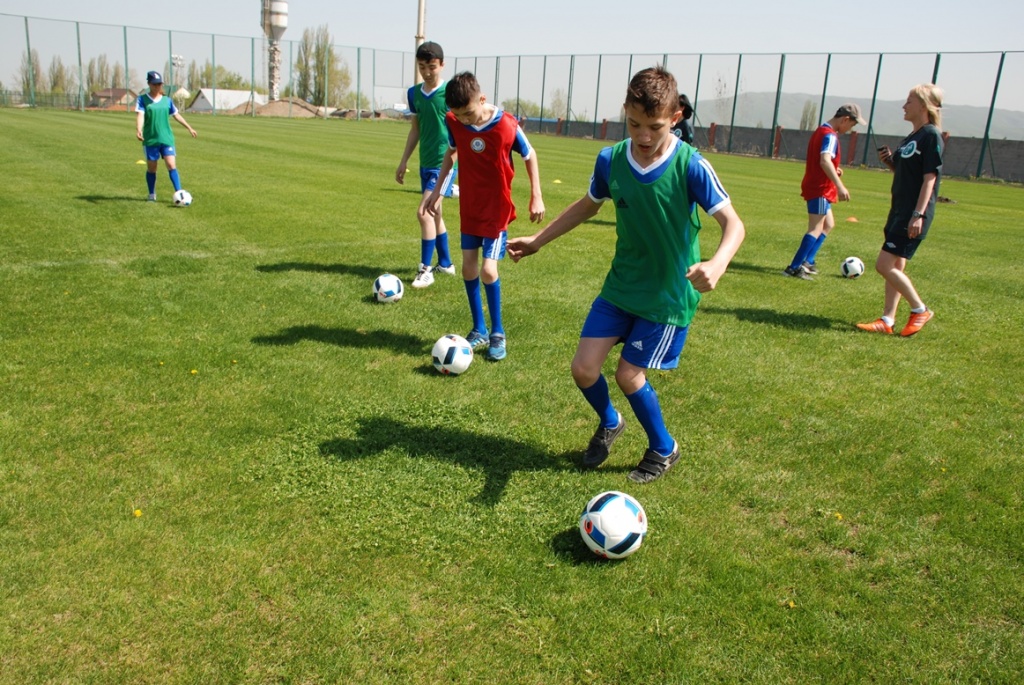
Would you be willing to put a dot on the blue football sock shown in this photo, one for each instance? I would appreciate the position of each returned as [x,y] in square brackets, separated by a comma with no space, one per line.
[476,306]
[151,181]
[648,411]
[493,291]
[814,250]
[444,258]
[427,251]
[806,245]
[175,181]
[598,397]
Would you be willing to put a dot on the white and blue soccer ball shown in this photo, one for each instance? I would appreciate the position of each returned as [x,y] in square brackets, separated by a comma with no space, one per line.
[182,198]
[852,267]
[388,288]
[613,525]
[452,354]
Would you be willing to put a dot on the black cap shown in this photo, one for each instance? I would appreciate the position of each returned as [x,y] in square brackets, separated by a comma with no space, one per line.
[154,77]
[428,51]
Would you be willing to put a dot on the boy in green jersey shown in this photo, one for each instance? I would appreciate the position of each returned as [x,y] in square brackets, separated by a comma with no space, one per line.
[657,276]
[154,111]
[427,104]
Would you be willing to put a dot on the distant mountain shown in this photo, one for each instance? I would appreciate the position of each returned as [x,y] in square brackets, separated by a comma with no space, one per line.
[756,109]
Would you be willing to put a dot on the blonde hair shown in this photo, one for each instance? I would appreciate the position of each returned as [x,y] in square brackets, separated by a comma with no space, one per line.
[930,96]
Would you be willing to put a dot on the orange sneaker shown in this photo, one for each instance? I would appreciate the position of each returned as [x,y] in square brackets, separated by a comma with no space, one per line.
[876,326]
[916,322]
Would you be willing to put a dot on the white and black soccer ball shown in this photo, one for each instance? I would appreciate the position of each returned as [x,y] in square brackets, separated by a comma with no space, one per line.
[388,288]
[452,354]
[852,267]
[613,525]
[182,198]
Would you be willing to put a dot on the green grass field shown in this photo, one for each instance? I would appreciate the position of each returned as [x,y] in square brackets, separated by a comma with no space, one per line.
[221,462]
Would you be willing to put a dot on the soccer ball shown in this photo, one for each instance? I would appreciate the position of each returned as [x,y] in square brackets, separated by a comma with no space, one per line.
[182,198]
[388,288]
[852,267]
[613,525]
[452,355]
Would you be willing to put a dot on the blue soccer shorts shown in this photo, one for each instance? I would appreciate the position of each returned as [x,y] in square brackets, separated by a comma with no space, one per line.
[428,181]
[155,152]
[646,344]
[818,205]
[493,248]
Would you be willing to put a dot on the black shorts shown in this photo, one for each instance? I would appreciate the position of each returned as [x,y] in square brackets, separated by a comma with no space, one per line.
[897,241]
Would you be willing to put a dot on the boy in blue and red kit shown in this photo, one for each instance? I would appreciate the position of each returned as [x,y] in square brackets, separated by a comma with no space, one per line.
[649,296]
[154,112]
[484,138]
[821,187]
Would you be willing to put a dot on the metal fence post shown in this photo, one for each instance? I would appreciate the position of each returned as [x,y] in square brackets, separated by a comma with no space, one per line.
[871,117]
[568,96]
[824,91]
[935,69]
[213,73]
[735,99]
[127,79]
[252,77]
[778,101]
[543,86]
[597,95]
[81,84]
[31,69]
[991,111]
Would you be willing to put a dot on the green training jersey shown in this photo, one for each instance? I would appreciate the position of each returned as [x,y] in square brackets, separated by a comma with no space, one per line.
[156,124]
[430,111]
[656,227]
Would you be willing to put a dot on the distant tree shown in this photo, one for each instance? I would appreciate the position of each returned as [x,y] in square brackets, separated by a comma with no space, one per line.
[221,77]
[556,108]
[809,116]
[62,78]
[194,77]
[332,77]
[97,74]
[31,73]
[117,76]
[722,100]
[523,108]
[302,81]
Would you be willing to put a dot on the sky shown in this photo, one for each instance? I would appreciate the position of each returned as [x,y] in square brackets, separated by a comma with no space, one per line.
[856,33]
[560,27]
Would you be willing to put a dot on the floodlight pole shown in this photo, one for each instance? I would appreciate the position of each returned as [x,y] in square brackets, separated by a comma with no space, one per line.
[421,35]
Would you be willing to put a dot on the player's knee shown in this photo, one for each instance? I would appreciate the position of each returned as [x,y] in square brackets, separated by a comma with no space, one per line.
[584,373]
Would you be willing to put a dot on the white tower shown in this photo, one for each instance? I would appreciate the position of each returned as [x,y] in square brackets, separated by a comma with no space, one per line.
[274,20]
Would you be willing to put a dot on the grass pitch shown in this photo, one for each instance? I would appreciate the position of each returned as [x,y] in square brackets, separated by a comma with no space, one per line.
[220,461]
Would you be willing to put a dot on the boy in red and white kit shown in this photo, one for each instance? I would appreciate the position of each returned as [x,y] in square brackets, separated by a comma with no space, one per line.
[822,186]
[484,136]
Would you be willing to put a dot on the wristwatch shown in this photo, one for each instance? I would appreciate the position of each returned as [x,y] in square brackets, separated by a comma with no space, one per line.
[917,215]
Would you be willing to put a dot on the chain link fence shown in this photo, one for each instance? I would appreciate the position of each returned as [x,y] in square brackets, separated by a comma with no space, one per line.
[756,104]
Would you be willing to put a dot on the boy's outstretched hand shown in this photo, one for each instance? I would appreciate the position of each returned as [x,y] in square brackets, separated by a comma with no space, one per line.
[517,248]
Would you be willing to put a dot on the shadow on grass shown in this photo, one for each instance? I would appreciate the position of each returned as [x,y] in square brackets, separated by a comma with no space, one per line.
[346,337]
[97,199]
[498,458]
[754,268]
[361,270]
[569,546]
[771,317]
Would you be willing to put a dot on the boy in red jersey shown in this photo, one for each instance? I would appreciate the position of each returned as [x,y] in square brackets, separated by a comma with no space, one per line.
[822,186]
[484,136]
